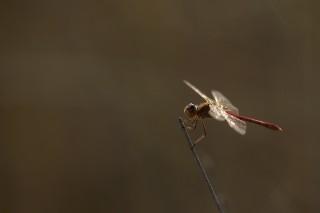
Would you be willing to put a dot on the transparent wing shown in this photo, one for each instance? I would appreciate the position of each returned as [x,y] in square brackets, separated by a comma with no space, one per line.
[235,123]
[222,100]
[220,114]
[198,91]
[216,113]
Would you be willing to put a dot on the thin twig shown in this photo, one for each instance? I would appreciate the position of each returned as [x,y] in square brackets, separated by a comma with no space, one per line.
[203,172]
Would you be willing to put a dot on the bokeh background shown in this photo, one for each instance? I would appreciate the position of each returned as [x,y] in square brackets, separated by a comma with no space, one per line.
[91,92]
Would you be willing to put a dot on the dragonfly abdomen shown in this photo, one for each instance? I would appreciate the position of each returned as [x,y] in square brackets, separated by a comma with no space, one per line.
[262,123]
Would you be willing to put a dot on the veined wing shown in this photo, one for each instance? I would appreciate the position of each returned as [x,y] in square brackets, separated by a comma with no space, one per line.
[216,112]
[209,100]
[235,123]
[222,100]
[219,113]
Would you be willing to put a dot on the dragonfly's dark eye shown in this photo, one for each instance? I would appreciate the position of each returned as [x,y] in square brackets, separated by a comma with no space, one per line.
[190,110]
[191,107]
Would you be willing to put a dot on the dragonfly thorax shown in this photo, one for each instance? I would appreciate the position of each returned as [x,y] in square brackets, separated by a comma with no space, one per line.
[191,110]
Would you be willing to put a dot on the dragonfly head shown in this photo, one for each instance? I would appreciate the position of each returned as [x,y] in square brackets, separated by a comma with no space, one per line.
[191,110]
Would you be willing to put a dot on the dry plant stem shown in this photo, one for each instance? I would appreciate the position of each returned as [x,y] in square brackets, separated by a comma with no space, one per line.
[203,172]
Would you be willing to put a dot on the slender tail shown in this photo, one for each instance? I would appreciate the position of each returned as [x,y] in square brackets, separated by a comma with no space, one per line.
[261,123]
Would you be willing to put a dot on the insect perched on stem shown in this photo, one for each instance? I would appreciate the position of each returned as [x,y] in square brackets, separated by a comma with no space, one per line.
[221,109]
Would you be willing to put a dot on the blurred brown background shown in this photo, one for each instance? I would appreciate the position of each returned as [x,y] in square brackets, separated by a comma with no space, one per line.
[91,92]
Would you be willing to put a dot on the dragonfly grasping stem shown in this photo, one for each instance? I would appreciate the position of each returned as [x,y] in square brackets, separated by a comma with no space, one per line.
[203,172]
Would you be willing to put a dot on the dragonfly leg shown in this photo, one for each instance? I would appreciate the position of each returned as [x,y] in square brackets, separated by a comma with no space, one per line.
[202,136]
[193,123]
[188,120]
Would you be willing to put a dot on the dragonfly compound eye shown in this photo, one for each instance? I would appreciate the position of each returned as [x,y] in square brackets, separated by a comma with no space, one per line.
[192,107]
[190,110]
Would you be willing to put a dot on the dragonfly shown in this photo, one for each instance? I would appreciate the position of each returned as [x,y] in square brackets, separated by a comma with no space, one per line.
[219,108]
